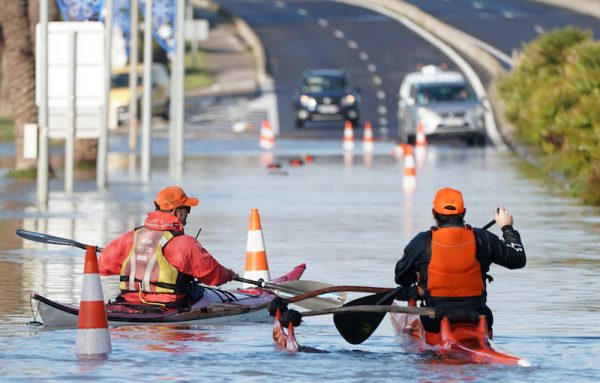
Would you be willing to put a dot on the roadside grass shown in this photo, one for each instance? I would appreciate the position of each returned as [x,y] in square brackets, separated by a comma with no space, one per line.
[22,174]
[7,129]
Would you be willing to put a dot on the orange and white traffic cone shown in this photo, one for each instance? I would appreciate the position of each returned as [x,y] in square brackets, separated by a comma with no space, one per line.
[348,136]
[93,339]
[256,256]
[420,142]
[409,182]
[398,150]
[267,136]
[368,138]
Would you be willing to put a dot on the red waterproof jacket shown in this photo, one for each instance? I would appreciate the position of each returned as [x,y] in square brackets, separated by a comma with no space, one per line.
[183,252]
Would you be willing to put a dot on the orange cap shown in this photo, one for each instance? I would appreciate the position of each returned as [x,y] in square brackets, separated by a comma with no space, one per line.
[448,202]
[173,197]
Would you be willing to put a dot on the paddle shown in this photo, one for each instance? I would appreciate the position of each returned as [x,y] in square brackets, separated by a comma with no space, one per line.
[357,327]
[291,288]
[288,290]
[426,311]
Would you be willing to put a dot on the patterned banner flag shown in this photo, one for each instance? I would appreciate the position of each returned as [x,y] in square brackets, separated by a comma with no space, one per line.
[80,10]
[163,23]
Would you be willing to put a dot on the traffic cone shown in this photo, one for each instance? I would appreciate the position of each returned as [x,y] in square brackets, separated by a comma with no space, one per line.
[267,137]
[420,141]
[398,150]
[348,136]
[93,340]
[368,138]
[409,182]
[256,256]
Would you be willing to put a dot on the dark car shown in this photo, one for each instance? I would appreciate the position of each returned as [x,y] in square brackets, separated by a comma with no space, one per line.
[326,95]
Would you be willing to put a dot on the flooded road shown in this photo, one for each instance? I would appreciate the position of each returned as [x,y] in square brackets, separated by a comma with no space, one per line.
[348,218]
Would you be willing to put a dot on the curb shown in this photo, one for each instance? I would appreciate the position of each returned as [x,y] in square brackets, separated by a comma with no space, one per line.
[586,7]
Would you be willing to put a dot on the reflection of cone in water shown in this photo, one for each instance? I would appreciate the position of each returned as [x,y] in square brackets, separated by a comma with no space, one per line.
[348,136]
[368,138]
[267,137]
[93,340]
[420,143]
[348,158]
[409,182]
[256,256]
[284,341]
[398,150]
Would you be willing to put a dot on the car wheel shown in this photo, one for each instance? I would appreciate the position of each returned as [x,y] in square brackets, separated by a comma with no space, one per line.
[299,123]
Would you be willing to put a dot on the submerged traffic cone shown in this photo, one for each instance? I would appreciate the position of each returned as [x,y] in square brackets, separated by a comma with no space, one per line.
[420,142]
[398,150]
[409,182]
[348,136]
[368,138]
[256,256]
[267,137]
[93,340]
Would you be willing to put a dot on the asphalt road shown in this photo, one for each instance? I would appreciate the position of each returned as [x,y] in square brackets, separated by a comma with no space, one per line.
[301,35]
[505,24]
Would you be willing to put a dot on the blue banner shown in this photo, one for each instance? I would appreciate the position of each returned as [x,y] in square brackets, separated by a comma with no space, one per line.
[163,23]
[80,10]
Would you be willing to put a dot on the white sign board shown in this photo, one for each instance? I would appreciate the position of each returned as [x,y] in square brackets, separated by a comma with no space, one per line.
[89,63]
[196,30]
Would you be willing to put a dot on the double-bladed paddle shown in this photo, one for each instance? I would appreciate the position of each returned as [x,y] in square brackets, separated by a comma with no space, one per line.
[285,289]
[356,327]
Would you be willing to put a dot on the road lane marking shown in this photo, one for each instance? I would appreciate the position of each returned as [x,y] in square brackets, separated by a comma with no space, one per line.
[363,56]
[539,29]
[339,34]
[323,22]
[377,80]
[280,4]
[381,95]
[302,12]
[383,121]
[508,14]
[477,5]
[352,44]
[382,110]
[371,68]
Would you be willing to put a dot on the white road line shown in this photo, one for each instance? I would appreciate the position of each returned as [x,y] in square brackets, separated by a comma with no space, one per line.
[352,44]
[280,4]
[383,121]
[508,14]
[363,56]
[381,95]
[339,34]
[539,29]
[382,109]
[323,22]
[371,68]
[377,80]
[302,12]
[477,5]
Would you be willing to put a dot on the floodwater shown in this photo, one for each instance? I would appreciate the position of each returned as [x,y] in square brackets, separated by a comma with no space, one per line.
[348,218]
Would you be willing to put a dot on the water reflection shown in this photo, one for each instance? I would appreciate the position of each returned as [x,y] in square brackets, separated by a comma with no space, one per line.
[175,339]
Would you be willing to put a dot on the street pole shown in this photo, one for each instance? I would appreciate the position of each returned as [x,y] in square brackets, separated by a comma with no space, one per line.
[133,76]
[194,53]
[72,103]
[147,102]
[43,159]
[177,92]
[101,161]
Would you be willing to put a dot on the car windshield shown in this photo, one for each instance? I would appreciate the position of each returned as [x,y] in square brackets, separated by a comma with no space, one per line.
[433,93]
[121,80]
[315,84]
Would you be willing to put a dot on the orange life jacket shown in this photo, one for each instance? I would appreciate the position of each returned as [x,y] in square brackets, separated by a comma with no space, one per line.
[453,270]
[146,269]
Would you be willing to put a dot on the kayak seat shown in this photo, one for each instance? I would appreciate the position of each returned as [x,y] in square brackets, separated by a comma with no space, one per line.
[460,315]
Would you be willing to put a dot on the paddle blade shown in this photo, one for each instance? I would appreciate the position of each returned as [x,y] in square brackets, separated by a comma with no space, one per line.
[355,328]
[290,289]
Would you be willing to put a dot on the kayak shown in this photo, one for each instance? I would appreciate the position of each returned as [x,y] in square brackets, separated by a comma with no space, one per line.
[467,342]
[215,306]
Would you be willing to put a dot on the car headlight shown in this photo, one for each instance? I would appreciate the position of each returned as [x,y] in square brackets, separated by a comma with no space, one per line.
[428,117]
[308,101]
[348,100]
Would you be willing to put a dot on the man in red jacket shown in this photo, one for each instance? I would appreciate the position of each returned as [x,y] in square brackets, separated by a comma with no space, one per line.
[157,262]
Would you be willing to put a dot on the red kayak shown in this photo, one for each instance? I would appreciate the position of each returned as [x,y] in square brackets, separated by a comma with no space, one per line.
[216,306]
[466,342]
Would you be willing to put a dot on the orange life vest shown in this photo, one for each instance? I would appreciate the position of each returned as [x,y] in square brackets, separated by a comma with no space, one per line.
[453,270]
[146,269]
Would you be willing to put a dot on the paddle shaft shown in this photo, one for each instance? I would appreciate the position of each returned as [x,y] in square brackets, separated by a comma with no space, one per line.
[335,289]
[430,312]
[52,240]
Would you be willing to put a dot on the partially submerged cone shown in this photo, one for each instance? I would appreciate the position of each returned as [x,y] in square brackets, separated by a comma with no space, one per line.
[348,136]
[267,136]
[409,182]
[368,138]
[256,256]
[93,339]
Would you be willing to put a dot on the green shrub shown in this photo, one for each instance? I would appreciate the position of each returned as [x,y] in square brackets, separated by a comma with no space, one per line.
[552,97]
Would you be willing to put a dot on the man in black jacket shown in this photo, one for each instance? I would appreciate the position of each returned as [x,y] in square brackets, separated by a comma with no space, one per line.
[449,262]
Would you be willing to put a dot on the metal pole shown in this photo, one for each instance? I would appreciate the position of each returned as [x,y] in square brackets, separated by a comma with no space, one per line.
[147,102]
[194,53]
[103,138]
[43,159]
[133,75]
[180,54]
[72,102]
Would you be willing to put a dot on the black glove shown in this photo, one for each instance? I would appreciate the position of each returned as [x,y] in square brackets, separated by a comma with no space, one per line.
[292,316]
[277,303]
[407,293]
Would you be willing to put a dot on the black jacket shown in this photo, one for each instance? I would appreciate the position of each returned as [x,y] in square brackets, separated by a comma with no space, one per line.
[489,249]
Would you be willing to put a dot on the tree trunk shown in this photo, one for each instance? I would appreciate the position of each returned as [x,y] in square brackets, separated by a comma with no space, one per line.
[21,78]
